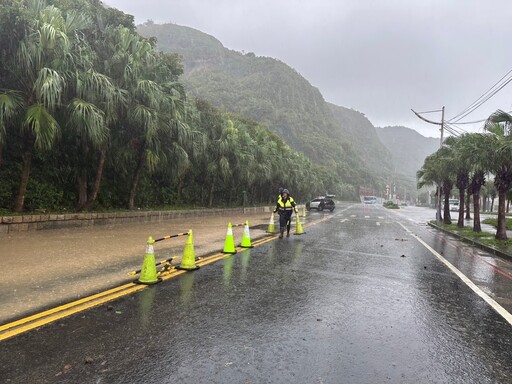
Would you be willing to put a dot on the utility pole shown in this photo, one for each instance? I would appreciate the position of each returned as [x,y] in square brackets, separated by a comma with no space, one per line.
[438,197]
[442,127]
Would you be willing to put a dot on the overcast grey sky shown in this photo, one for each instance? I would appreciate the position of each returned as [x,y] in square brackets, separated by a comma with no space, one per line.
[380,57]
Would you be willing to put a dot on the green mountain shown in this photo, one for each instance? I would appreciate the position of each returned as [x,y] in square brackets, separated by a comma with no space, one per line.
[269,91]
[408,150]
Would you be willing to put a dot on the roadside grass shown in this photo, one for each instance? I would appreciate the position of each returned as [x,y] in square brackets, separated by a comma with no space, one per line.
[486,238]
[494,222]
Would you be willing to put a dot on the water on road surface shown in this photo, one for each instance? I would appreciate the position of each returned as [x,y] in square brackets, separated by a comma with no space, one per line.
[357,299]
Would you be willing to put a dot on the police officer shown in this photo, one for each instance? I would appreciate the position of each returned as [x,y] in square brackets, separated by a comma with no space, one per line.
[285,207]
[281,189]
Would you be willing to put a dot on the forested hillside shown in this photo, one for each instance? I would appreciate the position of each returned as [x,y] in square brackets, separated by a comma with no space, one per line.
[269,91]
[93,116]
[407,147]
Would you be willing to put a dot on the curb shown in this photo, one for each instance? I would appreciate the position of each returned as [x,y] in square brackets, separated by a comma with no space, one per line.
[488,248]
[30,222]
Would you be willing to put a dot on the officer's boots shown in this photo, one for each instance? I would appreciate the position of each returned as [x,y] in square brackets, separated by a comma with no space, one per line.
[282,232]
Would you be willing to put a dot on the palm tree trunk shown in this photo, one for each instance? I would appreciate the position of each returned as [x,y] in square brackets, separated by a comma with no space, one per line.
[135,181]
[501,231]
[460,221]
[82,189]
[468,205]
[447,217]
[212,190]
[82,177]
[25,174]
[181,182]
[439,217]
[97,181]
[476,210]
[1,154]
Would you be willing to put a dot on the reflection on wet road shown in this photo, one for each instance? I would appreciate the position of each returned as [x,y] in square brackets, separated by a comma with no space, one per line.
[356,299]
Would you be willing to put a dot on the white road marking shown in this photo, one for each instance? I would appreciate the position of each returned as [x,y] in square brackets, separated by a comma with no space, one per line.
[352,215]
[381,217]
[367,217]
[378,224]
[489,300]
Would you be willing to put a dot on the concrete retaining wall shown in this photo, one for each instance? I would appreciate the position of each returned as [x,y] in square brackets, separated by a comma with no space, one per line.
[21,223]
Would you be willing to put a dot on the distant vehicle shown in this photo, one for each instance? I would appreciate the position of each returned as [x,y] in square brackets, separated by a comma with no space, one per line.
[370,200]
[320,203]
[453,205]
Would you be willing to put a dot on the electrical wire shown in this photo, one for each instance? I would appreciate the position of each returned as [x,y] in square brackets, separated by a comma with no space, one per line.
[476,121]
[500,84]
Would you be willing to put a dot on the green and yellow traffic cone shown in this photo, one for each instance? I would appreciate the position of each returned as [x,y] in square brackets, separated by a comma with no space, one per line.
[229,244]
[148,273]
[246,237]
[298,226]
[188,261]
[271,227]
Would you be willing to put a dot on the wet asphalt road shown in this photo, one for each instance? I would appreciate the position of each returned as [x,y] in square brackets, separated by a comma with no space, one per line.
[357,299]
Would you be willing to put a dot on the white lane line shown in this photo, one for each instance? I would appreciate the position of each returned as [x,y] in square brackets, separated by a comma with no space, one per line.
[380,217]
[352,215]
[378,224]
[367,217]
[489,300]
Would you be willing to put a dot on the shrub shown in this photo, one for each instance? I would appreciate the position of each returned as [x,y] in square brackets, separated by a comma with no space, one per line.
[390,205]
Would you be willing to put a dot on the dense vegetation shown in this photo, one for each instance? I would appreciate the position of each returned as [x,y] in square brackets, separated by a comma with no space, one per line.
[341,141]
[93,116]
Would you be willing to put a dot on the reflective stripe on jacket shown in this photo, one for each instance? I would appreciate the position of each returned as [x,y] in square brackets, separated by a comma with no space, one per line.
[285,205]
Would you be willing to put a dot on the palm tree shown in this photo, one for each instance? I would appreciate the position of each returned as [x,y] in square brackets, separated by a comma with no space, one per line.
[474,149]
[499,125]
[462,172]
[438,169]
[45,59]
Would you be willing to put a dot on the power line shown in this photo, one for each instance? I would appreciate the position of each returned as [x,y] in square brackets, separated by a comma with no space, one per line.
[484,97]
[472,122]
[475,121]
[454,130]
[483,101]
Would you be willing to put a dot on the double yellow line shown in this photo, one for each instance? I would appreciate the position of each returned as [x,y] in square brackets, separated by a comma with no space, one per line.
[42,318]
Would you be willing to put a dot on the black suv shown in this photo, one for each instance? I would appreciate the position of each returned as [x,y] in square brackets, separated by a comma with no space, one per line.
[320,203]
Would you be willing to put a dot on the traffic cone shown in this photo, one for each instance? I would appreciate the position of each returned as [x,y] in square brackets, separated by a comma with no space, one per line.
[271,227]
[298,226]
[246,237]
[188,261]
[148,273]
[304,211]
[229,244]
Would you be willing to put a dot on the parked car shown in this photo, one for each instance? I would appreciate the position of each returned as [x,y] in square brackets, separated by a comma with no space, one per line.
[320,203]
[369,200]
[453,205]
